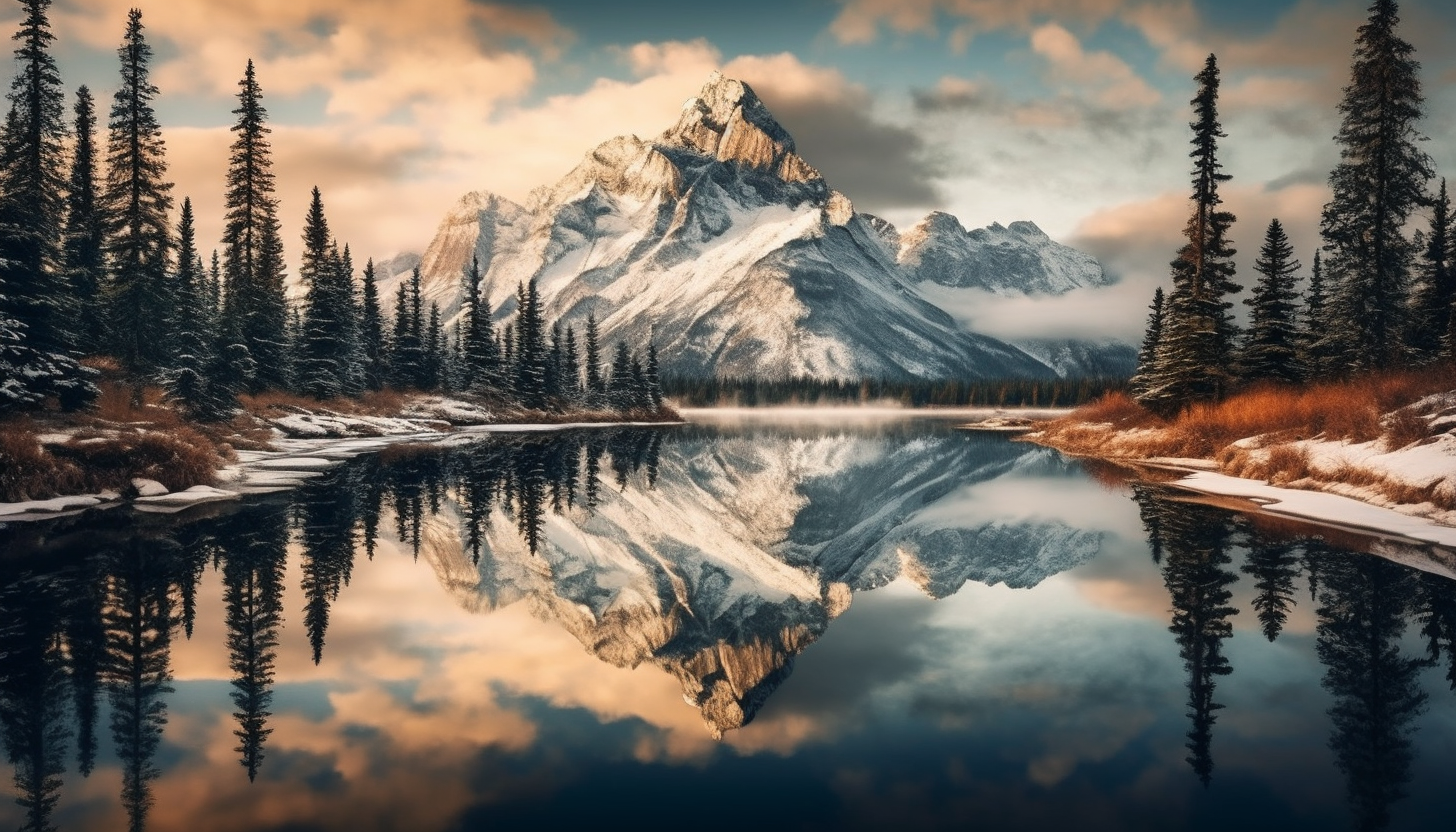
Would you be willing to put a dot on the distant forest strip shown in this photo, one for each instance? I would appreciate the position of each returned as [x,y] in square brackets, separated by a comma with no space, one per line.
[731,391]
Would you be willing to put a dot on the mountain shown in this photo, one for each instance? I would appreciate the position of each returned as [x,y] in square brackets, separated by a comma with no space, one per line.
[1019,259]
[728,249]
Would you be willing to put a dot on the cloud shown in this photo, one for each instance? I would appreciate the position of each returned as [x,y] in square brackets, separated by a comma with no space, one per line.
[859,21]
[1108,80]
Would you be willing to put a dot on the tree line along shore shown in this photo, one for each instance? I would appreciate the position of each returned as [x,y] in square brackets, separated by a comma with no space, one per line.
[1347,386]
[116,331]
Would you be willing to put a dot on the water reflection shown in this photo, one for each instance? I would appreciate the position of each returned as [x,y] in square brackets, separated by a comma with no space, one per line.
[716,557]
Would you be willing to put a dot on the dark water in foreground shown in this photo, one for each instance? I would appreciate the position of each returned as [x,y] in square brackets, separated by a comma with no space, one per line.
[872,624]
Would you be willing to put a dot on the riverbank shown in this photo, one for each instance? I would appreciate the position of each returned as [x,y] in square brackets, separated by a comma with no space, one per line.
[149,455]
[1381,453]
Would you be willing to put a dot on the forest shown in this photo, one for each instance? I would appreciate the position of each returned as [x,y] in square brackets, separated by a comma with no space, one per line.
[1377,300]
[97,284]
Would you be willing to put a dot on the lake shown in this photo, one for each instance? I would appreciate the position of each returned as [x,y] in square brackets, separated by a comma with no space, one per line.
[752,621]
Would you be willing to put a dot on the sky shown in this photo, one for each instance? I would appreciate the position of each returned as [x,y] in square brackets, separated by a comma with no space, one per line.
[1069,113]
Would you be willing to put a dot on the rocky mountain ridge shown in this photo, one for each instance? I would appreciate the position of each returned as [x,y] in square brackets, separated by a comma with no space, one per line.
[719,242]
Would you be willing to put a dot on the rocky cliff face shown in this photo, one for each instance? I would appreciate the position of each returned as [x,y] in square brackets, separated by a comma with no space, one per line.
[729,250]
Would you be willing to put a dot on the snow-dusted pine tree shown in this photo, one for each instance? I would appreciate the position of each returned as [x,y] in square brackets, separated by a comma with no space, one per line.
[38,309]
[1147,367]
[326,351]
[188,377]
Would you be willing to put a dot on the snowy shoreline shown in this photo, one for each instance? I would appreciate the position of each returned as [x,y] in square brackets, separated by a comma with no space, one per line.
[294,460]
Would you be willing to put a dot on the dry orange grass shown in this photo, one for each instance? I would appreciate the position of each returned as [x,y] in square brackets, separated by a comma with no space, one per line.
[1374,407]
[1335,410]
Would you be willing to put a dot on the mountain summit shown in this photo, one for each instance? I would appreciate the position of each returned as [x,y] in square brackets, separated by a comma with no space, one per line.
[729,250]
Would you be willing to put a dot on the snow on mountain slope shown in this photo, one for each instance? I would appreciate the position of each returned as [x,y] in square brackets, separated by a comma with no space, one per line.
[1019,259]
[721,243]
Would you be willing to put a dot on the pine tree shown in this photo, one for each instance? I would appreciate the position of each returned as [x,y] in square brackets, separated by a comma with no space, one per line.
[596,388]
[1436,290]
[1380,180]
[371,333]
[1195,346]
[481,351]
[32,185]
[653,377]
[432,371]
[555,357]
[136,200]
[571,368]
[1147,369]
[323,353]
[471,365]
[530,367]
[36,300]
[189,375]
[84,238]
[233,367]
[252,241]
[1317,362]
[620,392]
[1271,350]
[408,351]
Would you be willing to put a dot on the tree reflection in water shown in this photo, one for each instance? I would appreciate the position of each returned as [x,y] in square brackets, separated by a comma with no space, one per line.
[97,610]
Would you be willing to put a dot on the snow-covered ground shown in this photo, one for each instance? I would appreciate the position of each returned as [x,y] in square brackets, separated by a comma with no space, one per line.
[1370,487]
[306,445]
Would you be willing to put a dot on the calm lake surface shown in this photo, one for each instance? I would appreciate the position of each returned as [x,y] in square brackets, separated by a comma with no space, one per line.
[742,623]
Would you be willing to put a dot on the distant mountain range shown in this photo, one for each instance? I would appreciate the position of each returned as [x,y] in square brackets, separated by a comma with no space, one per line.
[721,243]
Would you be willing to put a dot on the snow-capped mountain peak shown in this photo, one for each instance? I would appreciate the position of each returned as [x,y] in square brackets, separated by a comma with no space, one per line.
[718,237]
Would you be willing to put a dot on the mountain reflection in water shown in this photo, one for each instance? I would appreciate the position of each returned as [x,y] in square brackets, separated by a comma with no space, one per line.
[711,556]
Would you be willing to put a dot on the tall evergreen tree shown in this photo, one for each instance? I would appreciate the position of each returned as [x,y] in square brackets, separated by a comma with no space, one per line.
[136,200]
[371,333]
[1435,292]
[193,360]
[1313,356]
[327,346]
[432,372]
[470,365]
[252,240]
[32,188]
[1271,349]
[596,388]
[555,357]
[1380,180]
[571,367]
[85,232]
[653,377]
[530,366]
[407,351]
[36,299]
[482,351]
[620,388]
[1197,340]
[1147,369]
